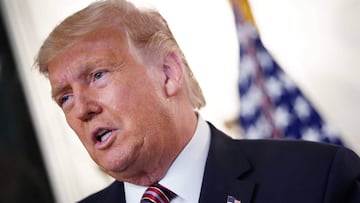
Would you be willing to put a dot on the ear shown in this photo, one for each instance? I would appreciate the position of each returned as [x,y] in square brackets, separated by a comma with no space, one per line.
[173,71]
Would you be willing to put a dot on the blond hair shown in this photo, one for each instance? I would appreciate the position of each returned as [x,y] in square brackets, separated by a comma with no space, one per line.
[147,29]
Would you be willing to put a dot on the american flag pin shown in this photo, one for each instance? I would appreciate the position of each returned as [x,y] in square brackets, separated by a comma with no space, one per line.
[231,199]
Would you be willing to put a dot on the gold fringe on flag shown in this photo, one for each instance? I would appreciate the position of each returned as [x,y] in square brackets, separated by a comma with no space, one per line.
[244,7]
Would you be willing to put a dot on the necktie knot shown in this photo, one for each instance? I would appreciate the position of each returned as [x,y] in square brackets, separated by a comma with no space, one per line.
[157,193]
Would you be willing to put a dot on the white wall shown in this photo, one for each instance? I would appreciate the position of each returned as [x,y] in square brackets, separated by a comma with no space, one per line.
[316,42]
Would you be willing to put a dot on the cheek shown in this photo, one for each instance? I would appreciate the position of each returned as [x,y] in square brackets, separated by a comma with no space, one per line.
[73,123]
[129,99]
[78,128]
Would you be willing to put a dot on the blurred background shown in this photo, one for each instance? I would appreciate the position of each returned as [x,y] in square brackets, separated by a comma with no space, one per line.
[316,43]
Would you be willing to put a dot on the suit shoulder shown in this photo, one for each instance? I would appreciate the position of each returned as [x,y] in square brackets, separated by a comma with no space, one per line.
[111,193]
[289,146]
[283,143]
[276,148]
[295,150]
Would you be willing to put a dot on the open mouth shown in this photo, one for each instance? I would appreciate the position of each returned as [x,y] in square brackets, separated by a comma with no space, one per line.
[102,135]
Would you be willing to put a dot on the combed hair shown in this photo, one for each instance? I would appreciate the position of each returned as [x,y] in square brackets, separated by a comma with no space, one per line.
[145,28]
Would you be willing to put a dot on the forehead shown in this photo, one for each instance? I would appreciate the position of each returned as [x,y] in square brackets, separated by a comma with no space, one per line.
[101,44]
[106,45]
[100,41]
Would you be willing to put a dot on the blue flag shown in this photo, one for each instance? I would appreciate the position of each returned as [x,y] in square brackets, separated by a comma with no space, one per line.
[271,105]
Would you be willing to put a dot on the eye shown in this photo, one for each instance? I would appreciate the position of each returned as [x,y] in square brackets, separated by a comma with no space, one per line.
[63,99]
[99,75]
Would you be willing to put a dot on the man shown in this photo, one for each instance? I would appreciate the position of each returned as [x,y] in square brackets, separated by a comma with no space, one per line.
[128,93]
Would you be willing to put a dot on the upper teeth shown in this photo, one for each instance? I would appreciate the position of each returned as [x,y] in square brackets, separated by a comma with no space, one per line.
[103,135]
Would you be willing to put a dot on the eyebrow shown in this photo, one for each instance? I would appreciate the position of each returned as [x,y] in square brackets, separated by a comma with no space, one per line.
[56,90]
[80,72]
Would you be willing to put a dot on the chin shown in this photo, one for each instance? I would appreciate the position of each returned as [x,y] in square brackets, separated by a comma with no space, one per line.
[112,164]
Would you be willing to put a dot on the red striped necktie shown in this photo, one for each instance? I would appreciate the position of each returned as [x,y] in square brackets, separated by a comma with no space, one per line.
[157,193]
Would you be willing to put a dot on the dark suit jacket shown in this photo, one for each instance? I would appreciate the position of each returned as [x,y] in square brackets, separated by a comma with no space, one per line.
[265,171]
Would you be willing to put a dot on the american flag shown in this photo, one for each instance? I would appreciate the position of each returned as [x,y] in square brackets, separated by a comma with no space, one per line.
[271,105]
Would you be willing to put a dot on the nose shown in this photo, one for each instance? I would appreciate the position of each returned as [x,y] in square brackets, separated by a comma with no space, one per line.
[86,107]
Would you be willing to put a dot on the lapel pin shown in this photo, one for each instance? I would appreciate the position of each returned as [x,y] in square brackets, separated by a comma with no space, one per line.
[231,199]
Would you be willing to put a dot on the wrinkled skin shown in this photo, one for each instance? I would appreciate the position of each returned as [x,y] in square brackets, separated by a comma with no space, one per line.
[133,119]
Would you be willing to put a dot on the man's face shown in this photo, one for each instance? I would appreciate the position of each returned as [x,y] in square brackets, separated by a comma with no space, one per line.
[115,105]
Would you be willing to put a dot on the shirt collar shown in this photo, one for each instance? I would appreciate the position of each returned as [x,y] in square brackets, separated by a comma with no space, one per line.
[185,175]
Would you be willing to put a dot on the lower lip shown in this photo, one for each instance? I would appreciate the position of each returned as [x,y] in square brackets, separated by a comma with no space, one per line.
[106,143]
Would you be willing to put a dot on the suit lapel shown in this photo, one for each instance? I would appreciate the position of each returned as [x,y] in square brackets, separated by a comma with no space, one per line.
[114,194]
[224,169]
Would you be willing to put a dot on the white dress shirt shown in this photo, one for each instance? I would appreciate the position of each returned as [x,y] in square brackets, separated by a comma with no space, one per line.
[185,175]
